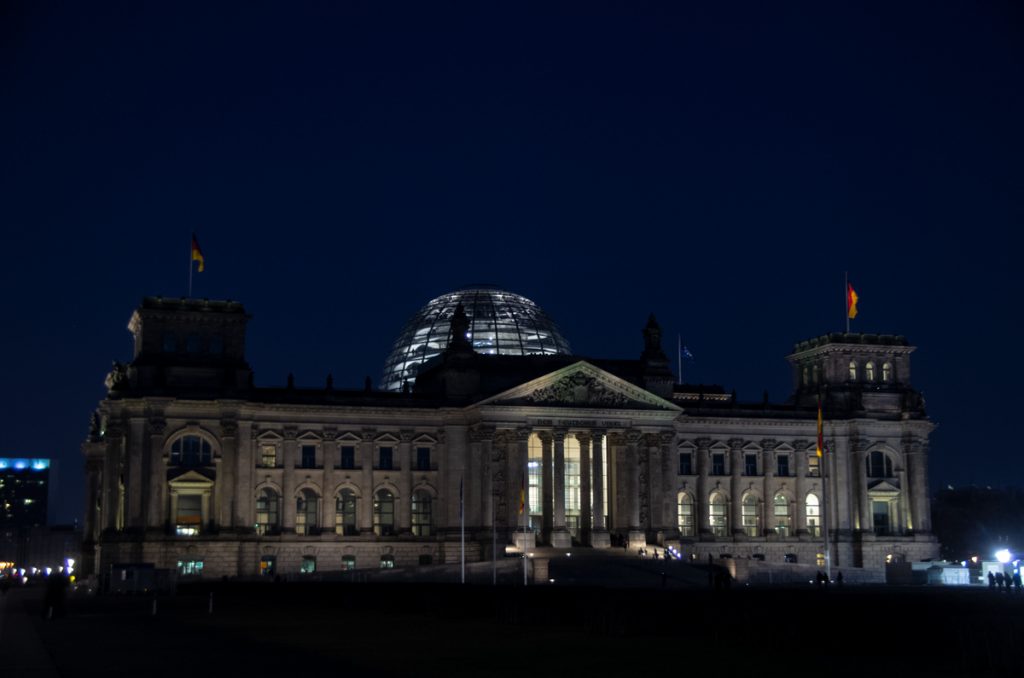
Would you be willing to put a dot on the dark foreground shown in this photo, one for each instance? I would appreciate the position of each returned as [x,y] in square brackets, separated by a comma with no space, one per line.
[403,630]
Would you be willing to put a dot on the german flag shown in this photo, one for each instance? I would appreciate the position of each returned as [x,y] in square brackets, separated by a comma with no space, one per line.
[821,437]
[197,254]
[522,496]
[851,302]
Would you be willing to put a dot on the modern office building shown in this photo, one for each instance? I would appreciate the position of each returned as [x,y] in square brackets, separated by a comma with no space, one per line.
[190,465]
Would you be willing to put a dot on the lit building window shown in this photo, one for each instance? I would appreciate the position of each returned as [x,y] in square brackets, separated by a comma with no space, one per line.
[718,515]
[306,512]
[718,464]
[813,465]
[572,485]
[780,509]
[751,514]
[191,450]
[879,465]
[782,465]
[686,463]
[190,515]
[422,518]
[267,512]
[387,562]
[348,562]
[869,371]
[813,509]
[535,477]
[268,456]
[881,514]
[308,565]
[685,512]
[190,568]
[853,370]
[345,513]
[268,566]
[887,373]
[383,513]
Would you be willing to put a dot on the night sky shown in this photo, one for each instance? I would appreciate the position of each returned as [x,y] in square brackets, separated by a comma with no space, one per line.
[721,165]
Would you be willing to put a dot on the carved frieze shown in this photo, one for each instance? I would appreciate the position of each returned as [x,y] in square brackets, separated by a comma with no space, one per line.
[579,390]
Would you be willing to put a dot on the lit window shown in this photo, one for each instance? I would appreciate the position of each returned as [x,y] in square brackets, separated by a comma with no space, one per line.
[387,562]
[306,513]
[348,562]
[718,515]
[268,566]
[887,373]
[190,568]
[535,478]
[191,451]
[813,512]
[853,370]
[572,485]
[880,514]
[345,513]
[813,465]
[384,513]
[718,464]
[686,522]
[782,464]
[819,558]
[780,510]
[751,515]
[421,513]
[685,463]
[308,565]
[869,371]
[268,456]
[267,512]
[750,465]
[190,515]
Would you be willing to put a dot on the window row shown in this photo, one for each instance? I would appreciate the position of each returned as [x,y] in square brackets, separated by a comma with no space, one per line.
[307,513]
[384,458]
[780,521]
[751,465]
[870,372]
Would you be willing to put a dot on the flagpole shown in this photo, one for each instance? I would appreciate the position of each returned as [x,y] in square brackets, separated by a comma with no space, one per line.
[825,507]
[846,297]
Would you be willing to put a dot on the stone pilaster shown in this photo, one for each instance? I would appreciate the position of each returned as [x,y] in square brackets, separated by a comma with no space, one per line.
[547,482]
[636,536]
[288,480]
[667,523]
[918,461]
[586,524]
[403,512]
[135,452]
[735,479]
[768,465]
[245,468]
[860,484]
[518,464]
[330,460]
[225,485]
[366,450]
[560,536]
[599,534]
[703,488]
[156,492]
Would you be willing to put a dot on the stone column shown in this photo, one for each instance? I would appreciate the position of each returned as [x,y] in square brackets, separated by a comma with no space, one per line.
[288,480]
[668,522]
[735,480]
[156,493]
[768,488]
[840,486]
[703,488]
[366,490]
[112,469]
[905,504]
[518,462]
[635,536]
[403,511]
[860,483]
[800,487]
[649,482]
[482,480]
[917,460]
[225,484]
[93,493]
[560,537]
[585,511]
[135,487]
[245,465]
[547,481]
[599,534]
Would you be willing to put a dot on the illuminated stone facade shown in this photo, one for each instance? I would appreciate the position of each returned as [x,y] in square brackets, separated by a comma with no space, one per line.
[191,466]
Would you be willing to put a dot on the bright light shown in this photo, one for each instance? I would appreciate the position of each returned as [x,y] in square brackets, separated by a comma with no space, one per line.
[974,559]
[533,464]
[70,562]
[1003,556]
[48,571]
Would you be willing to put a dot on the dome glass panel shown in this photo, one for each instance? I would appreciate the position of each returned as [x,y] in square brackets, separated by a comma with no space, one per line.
[500,323]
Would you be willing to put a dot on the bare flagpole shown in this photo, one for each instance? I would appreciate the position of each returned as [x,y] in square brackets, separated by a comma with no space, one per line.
[190,267]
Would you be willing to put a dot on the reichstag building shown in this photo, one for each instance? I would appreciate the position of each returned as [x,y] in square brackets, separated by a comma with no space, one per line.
[190,465]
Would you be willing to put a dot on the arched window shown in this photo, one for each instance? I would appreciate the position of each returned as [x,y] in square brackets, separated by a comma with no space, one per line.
[869,371]
[422,518]
[345,513]
[307,506]
[685,513]
[813,509]
[853,370]
[383,513]
[751,514]
[267,512]
[780,510]
[879,465]
[718,515]
[887,373]
[191,450]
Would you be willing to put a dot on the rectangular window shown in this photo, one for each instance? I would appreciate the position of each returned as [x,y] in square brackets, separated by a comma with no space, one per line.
[880,513]
[308,565]
[348,457]
[426,559]
[309,456]
[268,456]
[422,458]
[386,454]
[190,568]
[268,566]
[750,465]
[718,464]
[783,465]
[190,515]
[813,465]
[348,562]
[685,464]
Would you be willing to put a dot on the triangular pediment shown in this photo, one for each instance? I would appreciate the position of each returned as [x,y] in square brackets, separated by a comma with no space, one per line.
[190,479]
[880,487]
[581,385]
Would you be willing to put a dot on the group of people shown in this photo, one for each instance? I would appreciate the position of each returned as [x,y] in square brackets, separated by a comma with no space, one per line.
[1000,581]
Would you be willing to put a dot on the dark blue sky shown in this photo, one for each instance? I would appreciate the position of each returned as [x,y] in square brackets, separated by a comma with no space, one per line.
[720,166]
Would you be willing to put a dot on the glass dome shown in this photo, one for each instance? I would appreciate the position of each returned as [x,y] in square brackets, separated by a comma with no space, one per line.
[500,323]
